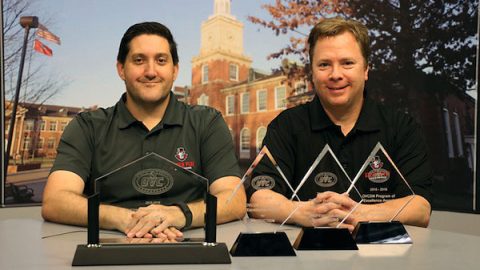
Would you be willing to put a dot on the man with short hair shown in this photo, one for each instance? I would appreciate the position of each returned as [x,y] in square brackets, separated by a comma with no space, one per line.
[147,119]
[342,116]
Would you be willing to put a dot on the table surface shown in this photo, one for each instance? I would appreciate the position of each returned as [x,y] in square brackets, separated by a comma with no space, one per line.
[23,246]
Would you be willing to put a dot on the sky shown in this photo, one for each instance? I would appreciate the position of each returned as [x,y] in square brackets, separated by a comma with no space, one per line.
[90,33]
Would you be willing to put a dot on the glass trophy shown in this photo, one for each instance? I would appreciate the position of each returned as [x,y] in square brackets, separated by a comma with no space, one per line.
[323,230]
[260,236]
[148,181]
[379,180]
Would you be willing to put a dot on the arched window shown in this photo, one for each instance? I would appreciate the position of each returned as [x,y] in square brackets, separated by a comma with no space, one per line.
[245,143]
[203,100]
[261,131]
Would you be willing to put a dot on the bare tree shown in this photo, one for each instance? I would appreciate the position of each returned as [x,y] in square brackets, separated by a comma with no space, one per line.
[36,86]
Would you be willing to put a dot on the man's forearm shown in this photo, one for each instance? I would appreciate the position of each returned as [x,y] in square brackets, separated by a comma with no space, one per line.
[70,208]
[416,213]
[234,210]
[266,204]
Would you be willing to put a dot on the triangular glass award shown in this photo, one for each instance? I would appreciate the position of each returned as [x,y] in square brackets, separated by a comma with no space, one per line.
[258,238]
[379,180]
[324,229]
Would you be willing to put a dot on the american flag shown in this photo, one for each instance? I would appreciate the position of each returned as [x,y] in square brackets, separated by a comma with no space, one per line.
[42,48]
[43,32]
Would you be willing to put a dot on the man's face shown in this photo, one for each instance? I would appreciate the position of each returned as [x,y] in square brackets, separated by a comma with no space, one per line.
[339,72]
[148,70]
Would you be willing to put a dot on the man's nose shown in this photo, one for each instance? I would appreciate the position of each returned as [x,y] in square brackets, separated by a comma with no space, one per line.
[336,73]
[150,72]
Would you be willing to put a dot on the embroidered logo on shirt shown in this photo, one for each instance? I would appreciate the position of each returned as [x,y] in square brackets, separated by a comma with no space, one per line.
[377,174]
[263,182]
[152,181]
[181,154]
[326,179]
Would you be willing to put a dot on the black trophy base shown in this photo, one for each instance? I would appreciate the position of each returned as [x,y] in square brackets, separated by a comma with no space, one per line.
[136,254]
[325,239]
[262,244]
[381,233]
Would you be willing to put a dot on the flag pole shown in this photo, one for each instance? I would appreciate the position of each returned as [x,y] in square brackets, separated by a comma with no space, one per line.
[26,22]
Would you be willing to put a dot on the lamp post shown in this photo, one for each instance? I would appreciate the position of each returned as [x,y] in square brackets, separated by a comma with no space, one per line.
[26,22]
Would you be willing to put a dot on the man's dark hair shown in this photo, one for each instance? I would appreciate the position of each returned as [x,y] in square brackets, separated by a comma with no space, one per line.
[148,28]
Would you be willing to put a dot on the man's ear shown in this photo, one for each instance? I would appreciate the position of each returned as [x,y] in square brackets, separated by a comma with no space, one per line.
[175,71]
[366,74]
[120,70]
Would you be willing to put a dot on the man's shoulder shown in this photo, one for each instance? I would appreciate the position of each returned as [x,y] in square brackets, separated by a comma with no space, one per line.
[297,115]
[200,112]
[93,120]
[99,114]
[390,115]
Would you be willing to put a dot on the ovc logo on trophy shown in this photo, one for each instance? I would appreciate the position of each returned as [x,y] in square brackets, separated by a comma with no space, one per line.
[326,179]
[377,174]
[263,182]
[152,181]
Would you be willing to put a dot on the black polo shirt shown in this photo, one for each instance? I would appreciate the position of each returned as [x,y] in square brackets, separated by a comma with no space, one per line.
[297,135]
[98,142]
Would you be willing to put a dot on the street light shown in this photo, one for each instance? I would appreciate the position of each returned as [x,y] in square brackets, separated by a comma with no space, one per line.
[26,22]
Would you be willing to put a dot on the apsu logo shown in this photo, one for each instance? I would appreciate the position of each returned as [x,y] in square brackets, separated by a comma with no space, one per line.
[377,174]
[152,181]
[181,154]
[326,179]
[263,182]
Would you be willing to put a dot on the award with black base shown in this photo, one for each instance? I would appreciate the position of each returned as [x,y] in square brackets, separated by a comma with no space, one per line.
[326,174]
[172,185]
[259,239]
[380,180]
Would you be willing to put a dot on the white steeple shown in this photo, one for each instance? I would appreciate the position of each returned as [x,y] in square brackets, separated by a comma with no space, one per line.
[221,7]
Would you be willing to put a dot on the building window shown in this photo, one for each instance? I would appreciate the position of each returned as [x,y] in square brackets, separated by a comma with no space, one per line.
[245,143]
[63,124]
[202,100]
[458,134]
[262,100]
[245,103]
[233,72]
[53,126]
[204,73]
[261,131]
[280,97]
[448,132]
[40,143]
[51,143]
[41,125]
[230,105]
[29,125]
[27,143]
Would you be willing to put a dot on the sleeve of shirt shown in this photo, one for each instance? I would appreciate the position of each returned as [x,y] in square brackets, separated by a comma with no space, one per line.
[412,158]
[278,140]
[74,152]
[217,151]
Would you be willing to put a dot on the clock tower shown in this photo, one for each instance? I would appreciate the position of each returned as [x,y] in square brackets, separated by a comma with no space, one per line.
[221,61]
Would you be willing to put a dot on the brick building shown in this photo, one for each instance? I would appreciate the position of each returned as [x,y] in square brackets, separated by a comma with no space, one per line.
[223,78]
[38,129]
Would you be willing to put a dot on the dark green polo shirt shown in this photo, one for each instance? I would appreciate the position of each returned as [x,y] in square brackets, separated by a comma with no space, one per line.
[98,142]
[297,135]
